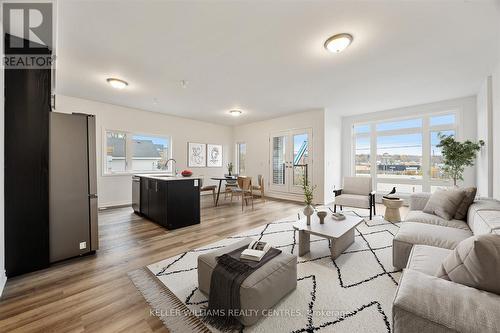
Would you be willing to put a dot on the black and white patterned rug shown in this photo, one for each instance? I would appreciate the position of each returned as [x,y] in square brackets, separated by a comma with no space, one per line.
[352,293]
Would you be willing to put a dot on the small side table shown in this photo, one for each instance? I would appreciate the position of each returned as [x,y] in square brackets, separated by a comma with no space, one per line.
[392,213]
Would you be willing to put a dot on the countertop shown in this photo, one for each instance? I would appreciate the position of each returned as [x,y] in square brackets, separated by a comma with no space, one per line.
[165,177]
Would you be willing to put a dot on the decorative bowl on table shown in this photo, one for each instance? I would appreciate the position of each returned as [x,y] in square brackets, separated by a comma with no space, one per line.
[186,173]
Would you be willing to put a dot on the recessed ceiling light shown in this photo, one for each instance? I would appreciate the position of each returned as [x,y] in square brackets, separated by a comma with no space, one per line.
[235,113]
[117,83]
[338,43]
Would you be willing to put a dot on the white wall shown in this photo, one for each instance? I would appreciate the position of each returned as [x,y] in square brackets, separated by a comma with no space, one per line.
[496,132]
[466,107]
[116,189]
[333,155]
[256,136]
[485,132]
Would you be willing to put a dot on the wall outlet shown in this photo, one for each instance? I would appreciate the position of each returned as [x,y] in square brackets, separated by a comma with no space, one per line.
[83,245]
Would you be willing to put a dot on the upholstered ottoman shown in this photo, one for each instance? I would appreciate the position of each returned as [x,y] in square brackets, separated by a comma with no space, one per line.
[263,289]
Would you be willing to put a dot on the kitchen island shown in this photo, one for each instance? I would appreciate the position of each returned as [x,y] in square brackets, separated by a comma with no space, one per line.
[170,201]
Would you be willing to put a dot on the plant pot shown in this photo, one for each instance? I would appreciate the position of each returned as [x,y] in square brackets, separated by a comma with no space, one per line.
[308,211]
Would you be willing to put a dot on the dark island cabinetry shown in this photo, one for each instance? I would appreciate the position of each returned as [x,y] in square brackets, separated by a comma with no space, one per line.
[172,202]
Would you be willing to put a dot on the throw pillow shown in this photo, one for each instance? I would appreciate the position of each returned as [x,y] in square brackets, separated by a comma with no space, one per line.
[463,208]
[444,203]
[475,262]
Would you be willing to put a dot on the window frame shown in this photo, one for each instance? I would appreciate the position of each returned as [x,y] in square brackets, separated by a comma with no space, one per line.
[129,153]
[425,130]
[238,156]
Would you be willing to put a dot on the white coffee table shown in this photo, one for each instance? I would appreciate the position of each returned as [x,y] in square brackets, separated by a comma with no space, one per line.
[340,233]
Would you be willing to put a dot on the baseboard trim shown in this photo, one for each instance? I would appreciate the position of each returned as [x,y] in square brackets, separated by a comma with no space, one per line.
[3,280]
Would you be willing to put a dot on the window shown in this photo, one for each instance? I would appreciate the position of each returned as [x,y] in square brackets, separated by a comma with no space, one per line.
[115,152]
[399,156]
[130,152]
[362,156]
[241,153]
[403,152]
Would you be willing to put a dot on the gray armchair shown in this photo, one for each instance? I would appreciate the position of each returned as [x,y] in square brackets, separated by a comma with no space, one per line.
[356,192]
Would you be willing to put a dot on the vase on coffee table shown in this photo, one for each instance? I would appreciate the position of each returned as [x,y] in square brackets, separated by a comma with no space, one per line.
[308,211]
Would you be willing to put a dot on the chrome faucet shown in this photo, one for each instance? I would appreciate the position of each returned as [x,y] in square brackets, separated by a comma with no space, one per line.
[174,165]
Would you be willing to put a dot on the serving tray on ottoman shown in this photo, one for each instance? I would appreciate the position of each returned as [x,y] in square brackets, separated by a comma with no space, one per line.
[263,289]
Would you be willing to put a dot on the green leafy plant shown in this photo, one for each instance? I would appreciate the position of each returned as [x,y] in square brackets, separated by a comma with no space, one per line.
[457,155]
[308,191]
[230,167]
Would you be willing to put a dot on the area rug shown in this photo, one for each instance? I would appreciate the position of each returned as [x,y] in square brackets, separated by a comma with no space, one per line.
[352,293]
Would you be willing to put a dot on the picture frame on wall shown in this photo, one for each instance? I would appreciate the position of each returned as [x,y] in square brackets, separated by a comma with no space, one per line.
[214,156]
[197,155]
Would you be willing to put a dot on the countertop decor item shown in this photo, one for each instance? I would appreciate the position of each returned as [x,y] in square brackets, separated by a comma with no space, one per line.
[457,155]
[321,216]
[186,173]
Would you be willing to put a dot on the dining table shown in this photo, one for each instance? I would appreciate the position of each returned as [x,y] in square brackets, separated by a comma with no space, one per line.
[221,179]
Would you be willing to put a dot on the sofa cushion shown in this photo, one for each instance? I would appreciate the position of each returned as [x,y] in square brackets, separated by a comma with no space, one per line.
[469,195]
[421,217]
[353,200]
[414,233]
[444,203]
[475,262]
[484,216]
[427,259]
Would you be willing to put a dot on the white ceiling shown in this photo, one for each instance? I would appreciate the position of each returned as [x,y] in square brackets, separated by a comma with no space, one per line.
[267,57]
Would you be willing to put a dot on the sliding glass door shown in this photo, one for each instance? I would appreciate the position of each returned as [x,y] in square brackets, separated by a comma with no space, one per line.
[290,160]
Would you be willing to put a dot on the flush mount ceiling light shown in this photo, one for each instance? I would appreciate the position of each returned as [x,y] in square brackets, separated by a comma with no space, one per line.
[338,43]
[235,113]
[117,83]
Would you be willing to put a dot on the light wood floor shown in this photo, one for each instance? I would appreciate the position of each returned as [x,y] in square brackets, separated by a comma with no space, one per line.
[94,294]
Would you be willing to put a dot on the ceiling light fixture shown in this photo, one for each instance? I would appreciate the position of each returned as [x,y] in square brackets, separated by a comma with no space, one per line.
[117,83]
[235,113]
[338,43]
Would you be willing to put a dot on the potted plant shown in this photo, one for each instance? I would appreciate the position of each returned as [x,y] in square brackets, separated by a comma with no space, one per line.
[308,199]
[457,155]
[230,168]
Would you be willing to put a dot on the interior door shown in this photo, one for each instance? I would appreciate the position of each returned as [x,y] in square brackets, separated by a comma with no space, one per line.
[290,160]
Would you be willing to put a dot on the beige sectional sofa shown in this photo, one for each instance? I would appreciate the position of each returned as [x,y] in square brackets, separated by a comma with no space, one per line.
[420,228]
[426,303]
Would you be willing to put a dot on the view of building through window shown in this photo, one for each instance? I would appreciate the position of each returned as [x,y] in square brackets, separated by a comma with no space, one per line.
[403,153]
[128,152]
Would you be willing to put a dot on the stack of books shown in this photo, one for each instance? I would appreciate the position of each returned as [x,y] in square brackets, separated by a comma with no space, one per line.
[255,251]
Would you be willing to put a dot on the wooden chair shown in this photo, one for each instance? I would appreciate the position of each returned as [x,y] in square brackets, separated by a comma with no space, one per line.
[260,187]
[207,188]
[244,190]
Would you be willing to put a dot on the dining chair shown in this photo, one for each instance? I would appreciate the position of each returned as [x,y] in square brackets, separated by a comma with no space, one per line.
[260,187]
[207,188]
[244,190]
[230,183]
